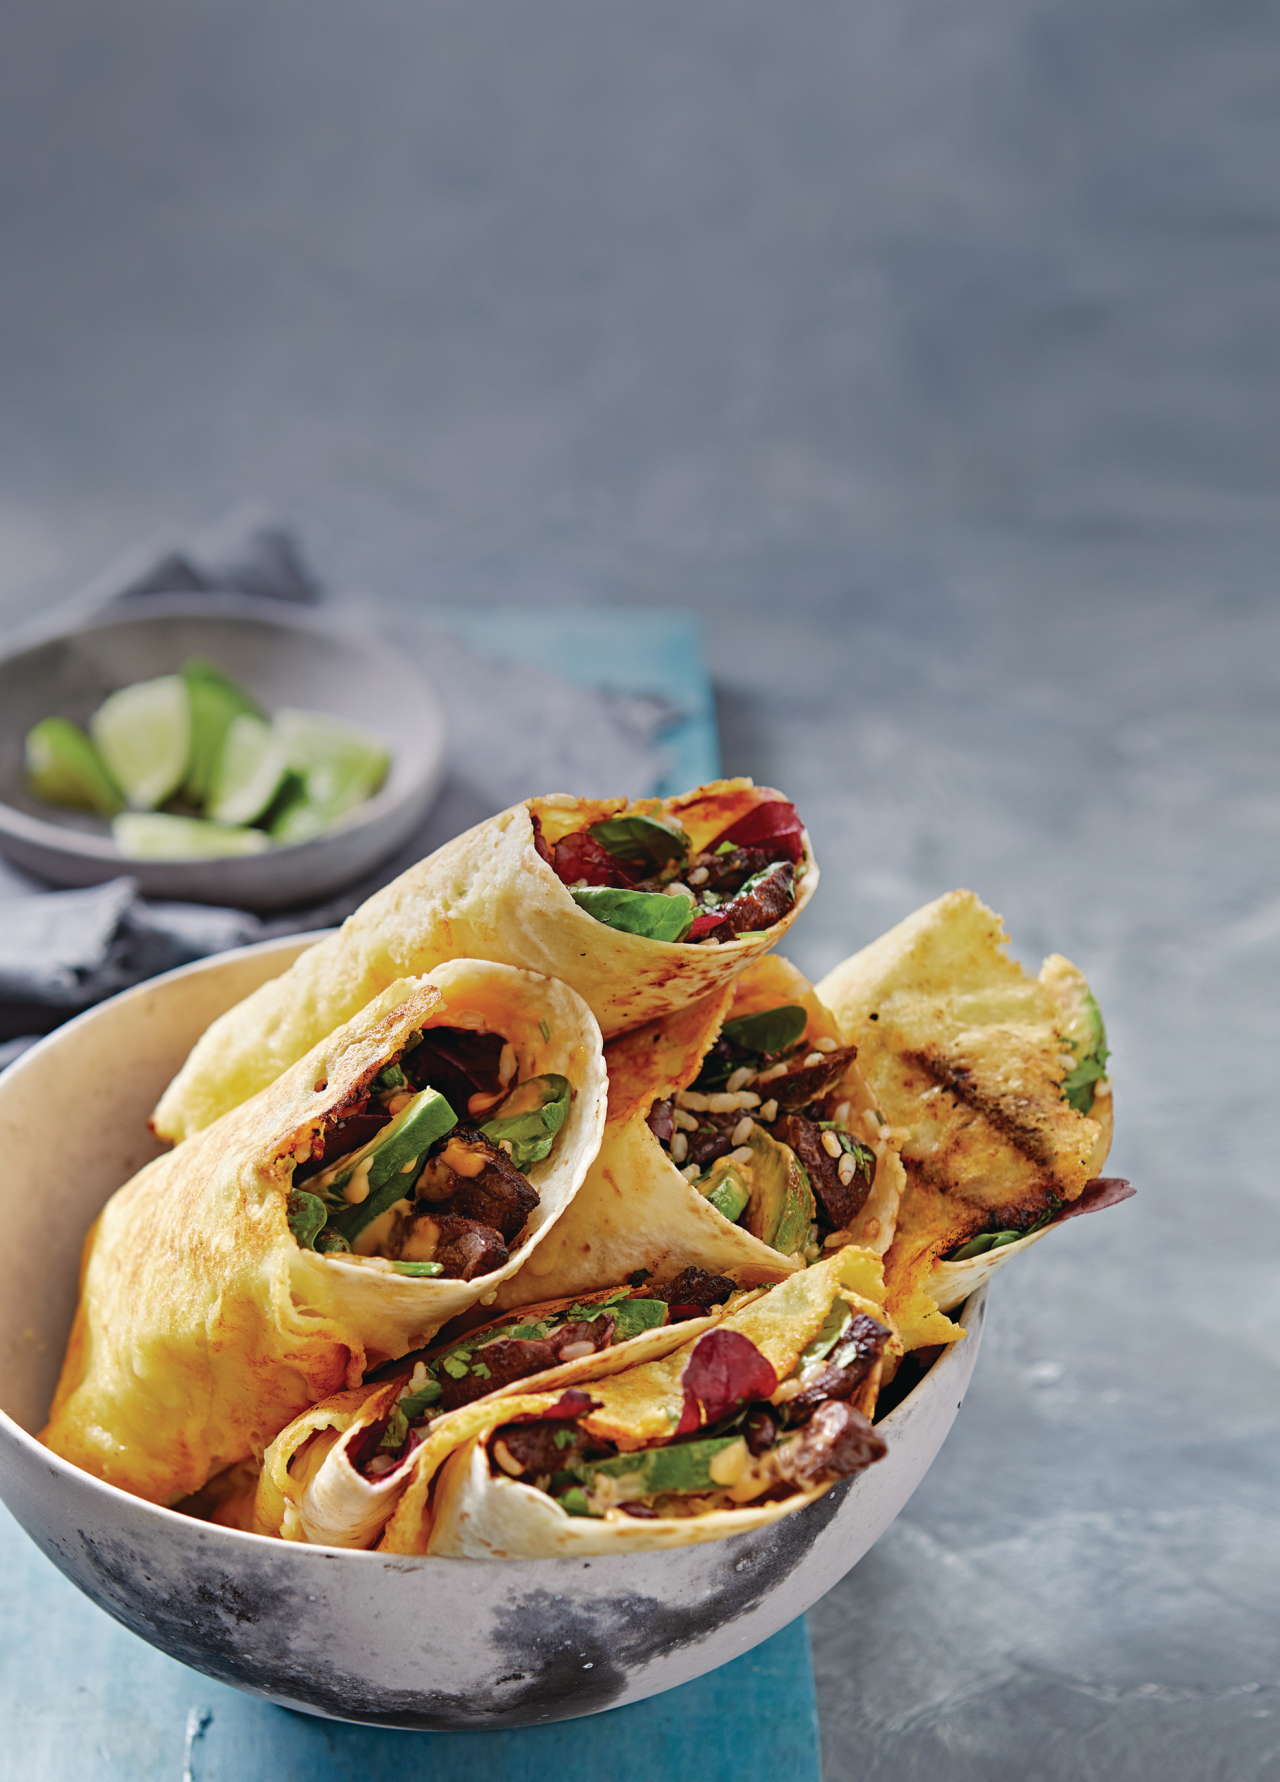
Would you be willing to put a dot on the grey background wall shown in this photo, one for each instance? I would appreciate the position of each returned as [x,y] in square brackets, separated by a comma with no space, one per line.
[931,355]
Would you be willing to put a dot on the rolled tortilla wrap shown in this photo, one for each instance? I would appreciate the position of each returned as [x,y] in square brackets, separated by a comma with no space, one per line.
[205,1321]
[994,1087]
[476,1511]
[316,1483]
[636,1210]
[489,894]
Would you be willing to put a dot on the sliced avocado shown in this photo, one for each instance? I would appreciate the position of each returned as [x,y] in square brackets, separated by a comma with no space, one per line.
[727,1191]
[530,1118]
[631,1316]
[684,1466]
[781,1207]
[391,1158]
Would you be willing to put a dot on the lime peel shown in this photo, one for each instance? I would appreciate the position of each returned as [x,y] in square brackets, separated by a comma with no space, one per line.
[155,835]
[143,733]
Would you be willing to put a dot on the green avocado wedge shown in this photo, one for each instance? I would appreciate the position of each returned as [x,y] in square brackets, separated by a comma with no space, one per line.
[651,914]
[390,1163]
[780,1207]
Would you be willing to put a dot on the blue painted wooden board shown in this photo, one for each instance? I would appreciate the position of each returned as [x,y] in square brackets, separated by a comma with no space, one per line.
[83,1700]
[655,651]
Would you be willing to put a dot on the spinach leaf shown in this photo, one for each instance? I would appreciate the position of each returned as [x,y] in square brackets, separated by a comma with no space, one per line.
[307,1214]
[1077,1085]
[530,1118]
[651,914]
[642,840]
[772,1030]
[996,1240]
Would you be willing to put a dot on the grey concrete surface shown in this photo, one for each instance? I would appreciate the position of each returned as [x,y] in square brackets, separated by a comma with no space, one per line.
[930,354]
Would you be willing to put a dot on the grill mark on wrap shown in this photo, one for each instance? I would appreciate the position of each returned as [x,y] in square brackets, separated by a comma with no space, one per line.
[957,1079]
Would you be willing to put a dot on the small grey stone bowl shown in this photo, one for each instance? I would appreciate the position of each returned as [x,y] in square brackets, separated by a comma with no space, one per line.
[287,657]
[382,1639]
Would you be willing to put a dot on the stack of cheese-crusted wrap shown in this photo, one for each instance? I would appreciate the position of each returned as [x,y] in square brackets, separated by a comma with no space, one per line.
[556,1070]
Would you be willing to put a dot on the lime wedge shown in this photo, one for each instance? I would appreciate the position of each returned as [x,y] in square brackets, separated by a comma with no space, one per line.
[215,700]
[251,765]
[144,735]
[64,767]
[153,835]
[339,765]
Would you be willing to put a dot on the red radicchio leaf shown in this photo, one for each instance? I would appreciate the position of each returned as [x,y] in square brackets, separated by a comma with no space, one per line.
[724,1371]
[540,841]
[703,925]
[581,857]
[570,1404]
[1102,1191]
[776,821]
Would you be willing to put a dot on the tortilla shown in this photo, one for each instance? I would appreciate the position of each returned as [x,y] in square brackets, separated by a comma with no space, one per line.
[486,895]
[309,1489]
[968,1057]
[477,1513]
[203,1327]
[635,1210]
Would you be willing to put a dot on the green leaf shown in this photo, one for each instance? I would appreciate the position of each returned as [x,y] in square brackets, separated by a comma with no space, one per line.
[396,1433]
[642,840]
[651,914]
[307,1214]
[833,1328]
[544,1030]
[456,1367]
[773,1030]
[997,1240]
[388,1080]
[332,1243]
[1077,1085]
[426,1269]
[530,1117]
[414,1403]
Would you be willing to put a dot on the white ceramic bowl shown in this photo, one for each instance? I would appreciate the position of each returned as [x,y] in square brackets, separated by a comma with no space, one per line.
[426,1643]
[285,656]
